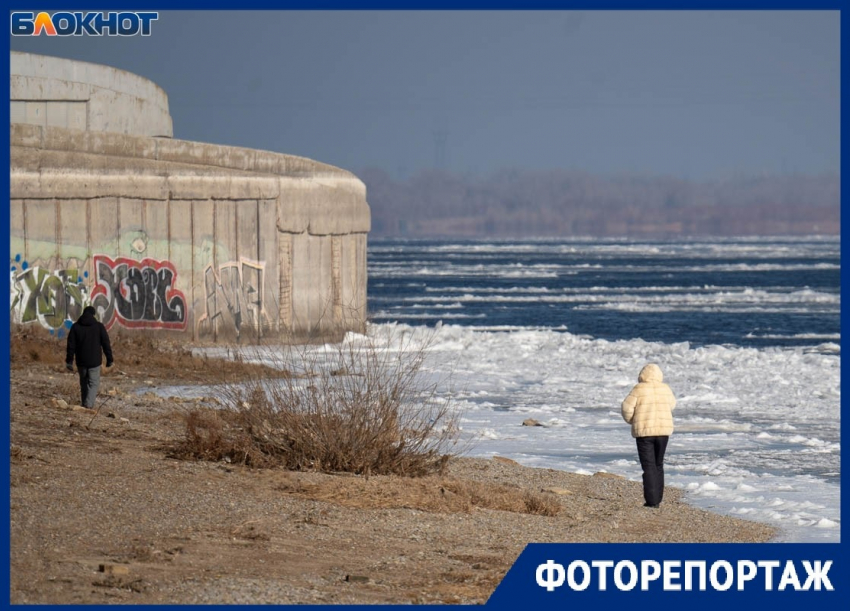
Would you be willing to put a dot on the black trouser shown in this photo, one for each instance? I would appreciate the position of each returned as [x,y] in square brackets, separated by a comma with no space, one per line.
[651,454]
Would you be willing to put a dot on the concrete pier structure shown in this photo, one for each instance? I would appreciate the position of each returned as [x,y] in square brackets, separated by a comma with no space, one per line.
[56,92]
[216,243]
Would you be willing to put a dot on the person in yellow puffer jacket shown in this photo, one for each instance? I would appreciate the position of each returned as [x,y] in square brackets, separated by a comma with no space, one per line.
[649,409]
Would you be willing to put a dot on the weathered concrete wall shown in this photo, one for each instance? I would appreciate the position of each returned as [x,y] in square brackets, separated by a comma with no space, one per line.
[217,243]
[55,92]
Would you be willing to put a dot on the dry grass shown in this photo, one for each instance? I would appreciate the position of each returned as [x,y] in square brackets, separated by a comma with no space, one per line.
[30,344]
[67,387]
[431,493]
[137,350]
[135,354]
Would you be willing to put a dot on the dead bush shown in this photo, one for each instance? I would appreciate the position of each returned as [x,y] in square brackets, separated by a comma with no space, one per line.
[205,435]
[214,435]
[363,406]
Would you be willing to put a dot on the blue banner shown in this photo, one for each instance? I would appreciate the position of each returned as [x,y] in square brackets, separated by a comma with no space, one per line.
[701,576]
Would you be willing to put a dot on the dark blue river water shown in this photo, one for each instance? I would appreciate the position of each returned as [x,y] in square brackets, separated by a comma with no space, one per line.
[755,292]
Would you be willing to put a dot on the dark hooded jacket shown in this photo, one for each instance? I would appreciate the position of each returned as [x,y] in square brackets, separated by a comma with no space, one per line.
[88,341]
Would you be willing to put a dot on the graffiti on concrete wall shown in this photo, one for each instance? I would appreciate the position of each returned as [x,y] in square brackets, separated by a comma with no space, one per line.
[233,298]
[52,298]
[138,294]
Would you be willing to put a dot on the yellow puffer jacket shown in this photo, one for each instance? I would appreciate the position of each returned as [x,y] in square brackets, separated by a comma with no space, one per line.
[649,406]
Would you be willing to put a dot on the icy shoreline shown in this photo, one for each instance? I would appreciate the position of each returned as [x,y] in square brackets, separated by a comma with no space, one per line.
[757,430]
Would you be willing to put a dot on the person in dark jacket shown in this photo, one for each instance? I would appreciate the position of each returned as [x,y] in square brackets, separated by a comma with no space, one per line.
[88,341]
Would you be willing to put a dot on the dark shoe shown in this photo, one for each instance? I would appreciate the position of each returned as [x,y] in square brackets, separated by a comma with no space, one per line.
[653,506]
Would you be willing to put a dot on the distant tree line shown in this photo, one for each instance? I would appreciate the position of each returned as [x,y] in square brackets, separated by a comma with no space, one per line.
[516,203]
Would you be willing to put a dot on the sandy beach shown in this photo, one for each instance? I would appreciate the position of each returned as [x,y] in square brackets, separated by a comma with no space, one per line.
[101,511]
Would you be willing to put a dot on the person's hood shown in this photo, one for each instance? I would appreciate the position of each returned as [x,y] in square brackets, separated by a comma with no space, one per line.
[651,373]
[87,319]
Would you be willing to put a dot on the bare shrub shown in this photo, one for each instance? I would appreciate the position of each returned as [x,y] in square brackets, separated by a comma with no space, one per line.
[362,406]
[216,435]
[205,435]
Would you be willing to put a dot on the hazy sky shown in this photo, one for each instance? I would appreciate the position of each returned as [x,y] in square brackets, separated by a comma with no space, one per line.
[685,93]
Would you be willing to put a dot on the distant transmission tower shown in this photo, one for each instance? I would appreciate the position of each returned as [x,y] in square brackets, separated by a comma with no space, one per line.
[440,138]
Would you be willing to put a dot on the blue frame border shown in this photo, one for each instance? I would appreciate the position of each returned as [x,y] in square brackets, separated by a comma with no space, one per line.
[518,589]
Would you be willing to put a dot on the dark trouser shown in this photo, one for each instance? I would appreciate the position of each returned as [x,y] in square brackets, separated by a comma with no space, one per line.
[89,383]
[651,454]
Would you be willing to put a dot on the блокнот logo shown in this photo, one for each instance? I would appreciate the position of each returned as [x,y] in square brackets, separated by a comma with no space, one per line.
[77,23]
